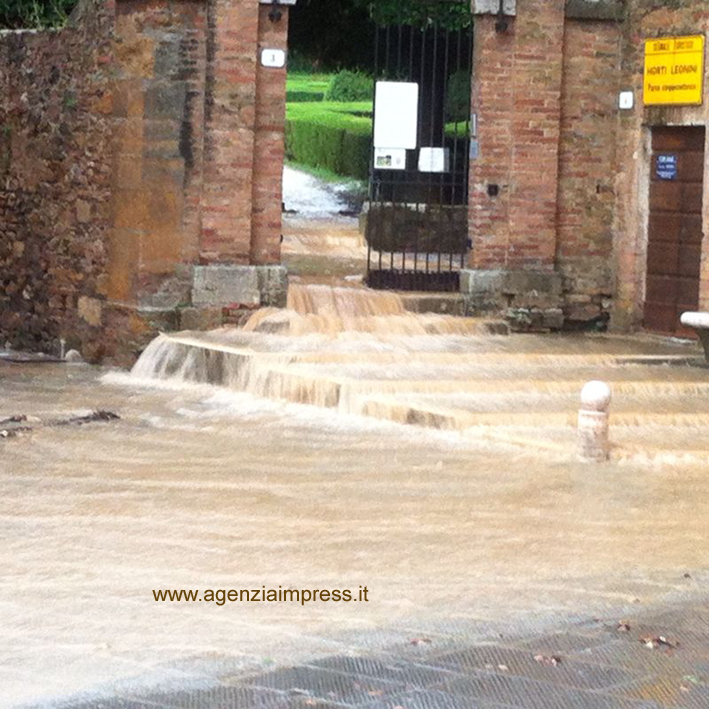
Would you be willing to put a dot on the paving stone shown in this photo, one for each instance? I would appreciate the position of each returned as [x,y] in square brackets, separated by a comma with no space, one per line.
[409,674]
[429,700]
[325,684]
[630,654]
[221,697]
[532,694]
[677,691]
[506,661]
[562,643]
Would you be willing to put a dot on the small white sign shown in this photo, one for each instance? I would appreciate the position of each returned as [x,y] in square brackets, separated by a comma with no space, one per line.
[434,160]
[273,58]
[626,100]
[396,112]
[389,159]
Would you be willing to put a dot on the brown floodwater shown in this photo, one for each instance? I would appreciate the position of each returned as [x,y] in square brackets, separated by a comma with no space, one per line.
[428,460]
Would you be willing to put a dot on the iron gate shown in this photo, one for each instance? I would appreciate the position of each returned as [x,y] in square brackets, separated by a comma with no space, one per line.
[416,216]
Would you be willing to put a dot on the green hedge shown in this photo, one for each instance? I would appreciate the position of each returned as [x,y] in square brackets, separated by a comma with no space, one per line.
[350,86]
[335,136]
[304,96]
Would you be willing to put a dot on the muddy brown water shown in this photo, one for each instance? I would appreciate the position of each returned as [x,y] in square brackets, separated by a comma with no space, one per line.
[283,461]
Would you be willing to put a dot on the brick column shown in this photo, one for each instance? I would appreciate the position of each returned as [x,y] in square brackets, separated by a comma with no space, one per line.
[517,97]
[229,132]
[269,148]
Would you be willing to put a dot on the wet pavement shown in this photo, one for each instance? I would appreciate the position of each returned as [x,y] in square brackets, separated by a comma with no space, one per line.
[648,661]
[482,540]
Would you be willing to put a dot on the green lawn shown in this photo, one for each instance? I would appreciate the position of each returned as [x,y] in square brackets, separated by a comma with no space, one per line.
[306,87]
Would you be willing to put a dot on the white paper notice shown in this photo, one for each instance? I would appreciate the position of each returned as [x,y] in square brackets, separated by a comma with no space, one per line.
[396,109]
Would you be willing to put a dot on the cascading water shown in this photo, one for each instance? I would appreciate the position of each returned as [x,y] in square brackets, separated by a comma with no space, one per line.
[361,352]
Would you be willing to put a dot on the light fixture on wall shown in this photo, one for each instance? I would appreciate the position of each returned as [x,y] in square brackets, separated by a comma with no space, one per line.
[502,24]
[275,14]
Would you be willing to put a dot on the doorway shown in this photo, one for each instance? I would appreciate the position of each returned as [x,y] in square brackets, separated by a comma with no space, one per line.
[674,228]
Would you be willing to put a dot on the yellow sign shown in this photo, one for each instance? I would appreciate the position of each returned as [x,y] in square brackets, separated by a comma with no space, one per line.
[674,71]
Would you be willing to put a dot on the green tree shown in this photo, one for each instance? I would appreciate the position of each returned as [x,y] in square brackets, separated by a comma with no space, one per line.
[34,14]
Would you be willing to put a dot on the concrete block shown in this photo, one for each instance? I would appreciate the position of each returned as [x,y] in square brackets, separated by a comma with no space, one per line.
[226,285]
[273,285]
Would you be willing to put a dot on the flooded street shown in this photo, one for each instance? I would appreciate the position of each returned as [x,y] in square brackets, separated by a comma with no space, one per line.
[284,455]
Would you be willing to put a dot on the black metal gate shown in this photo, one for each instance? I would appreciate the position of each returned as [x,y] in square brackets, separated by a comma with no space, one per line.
[417,214]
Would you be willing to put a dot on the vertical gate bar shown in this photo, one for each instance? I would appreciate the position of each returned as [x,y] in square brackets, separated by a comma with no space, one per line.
[386,77]
[466,167]
[434,67]
[441,183]
[372,176]
[419,141]
[396,181]
[455,171]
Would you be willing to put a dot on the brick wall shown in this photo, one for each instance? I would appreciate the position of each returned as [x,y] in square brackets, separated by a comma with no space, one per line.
[586,194]
[517,98]
[158,106]
[136,145]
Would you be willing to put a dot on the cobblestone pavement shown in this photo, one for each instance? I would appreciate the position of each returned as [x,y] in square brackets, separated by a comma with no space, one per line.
[648,661]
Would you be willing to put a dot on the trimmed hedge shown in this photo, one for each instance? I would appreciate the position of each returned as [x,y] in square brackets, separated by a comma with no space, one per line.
[336,136]
[304,96]
[350,86]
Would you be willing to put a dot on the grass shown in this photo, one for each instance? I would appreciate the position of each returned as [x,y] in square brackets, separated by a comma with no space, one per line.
[302,88]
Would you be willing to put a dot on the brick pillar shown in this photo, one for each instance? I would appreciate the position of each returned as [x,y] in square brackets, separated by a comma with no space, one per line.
[269,147]
[517,98]
[229,132]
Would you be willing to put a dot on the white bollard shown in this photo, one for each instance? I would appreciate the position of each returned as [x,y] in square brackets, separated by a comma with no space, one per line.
[593,422]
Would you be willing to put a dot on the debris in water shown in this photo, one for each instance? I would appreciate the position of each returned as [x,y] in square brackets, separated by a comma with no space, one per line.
[623,626]
[94,416]
[420,641]
[655,641]
[14,419]
[549,660]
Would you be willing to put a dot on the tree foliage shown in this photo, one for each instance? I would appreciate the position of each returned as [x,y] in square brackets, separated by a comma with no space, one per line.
[34,14]
[419,13]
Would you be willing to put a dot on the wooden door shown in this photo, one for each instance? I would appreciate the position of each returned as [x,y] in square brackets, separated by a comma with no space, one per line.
[675,228]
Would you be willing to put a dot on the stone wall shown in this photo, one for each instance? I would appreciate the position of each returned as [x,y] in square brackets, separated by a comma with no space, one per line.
[55,180]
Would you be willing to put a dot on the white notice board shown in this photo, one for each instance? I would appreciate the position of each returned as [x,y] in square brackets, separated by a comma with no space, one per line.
[396,110]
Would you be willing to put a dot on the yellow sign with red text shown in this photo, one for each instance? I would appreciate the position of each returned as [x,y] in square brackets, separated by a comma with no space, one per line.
[674,71]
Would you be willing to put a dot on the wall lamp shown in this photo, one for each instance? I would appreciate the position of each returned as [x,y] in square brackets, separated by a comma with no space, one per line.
[502,24]
[275,14]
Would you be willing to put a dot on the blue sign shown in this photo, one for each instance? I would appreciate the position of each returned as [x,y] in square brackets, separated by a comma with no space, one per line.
[667,167]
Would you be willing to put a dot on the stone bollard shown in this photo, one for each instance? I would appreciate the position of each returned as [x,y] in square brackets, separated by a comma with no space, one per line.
[593,422]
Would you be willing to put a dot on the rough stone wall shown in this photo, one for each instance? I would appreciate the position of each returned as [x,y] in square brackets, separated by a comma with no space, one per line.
[586,195]
[55,180]
[647,19]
